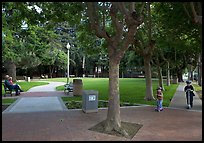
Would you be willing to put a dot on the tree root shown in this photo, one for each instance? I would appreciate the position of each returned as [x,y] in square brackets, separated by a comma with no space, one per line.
[121,131]
[115,128]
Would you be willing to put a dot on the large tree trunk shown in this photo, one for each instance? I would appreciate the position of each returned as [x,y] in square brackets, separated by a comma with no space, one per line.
[113,116]
[11,69]
[200,70]
[118,43]
[179,74]
[168,80]
[113,121]
[175,79]
[148,77]
[190,73]
[160,77]
[51,69]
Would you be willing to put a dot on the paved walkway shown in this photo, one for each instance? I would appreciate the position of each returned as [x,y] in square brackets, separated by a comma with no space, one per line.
[41,98]
[55,123]
[46,88]
[179,100]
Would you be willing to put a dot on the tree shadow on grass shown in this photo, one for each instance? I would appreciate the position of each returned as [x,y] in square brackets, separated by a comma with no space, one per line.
[130,128]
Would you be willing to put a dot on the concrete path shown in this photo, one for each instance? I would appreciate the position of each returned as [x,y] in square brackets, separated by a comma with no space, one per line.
[36,104]
[46,88]
[27,103]
[179,100]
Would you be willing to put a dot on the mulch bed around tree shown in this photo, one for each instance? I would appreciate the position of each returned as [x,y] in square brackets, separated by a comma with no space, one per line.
[130,128]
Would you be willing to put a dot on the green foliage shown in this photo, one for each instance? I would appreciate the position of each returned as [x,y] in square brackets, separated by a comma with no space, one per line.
[176,35]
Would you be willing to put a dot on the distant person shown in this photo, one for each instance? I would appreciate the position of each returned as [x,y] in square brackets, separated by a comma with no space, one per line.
[159,95]
[10,85]
[189,94]
[10,80]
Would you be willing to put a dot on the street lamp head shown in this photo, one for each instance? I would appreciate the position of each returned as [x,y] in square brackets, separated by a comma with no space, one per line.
[68,46]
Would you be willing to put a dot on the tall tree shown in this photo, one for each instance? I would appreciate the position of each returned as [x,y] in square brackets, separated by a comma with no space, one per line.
[179,35]
[14,16]
[194,13]
[124,19]
[145,45]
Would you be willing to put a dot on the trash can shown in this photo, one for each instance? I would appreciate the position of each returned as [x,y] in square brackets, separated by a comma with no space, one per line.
[90,101]
[28,79]
[77,87]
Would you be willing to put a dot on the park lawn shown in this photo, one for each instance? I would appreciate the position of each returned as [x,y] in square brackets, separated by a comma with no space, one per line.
[8,101]
[132,90]
[25,86]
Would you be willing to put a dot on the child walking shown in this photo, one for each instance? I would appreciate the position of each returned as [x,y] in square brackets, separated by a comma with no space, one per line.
[189,94]
[159,99]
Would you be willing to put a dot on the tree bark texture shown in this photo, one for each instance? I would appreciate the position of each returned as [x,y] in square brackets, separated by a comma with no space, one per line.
[179,74]
[175,79]
[168,80]
[113,116]
[160,76]
[118,43]
[148,77]
[200,70]
[11,70]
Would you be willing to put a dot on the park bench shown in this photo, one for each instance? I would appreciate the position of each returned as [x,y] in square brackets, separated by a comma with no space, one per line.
[68,88]
[7,90]
[90,75]
[72,75]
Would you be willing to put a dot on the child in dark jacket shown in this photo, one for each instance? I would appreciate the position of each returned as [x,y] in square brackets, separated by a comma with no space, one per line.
[189,94]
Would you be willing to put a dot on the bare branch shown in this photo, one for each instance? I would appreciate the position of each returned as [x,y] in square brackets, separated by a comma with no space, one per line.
[149,22]
[199,8]
[186,11]
[103,22]
[193,9]
[121,7]
[116,23]
[142,8]
[132,7]
[197,19]
[129,39]
[92,11]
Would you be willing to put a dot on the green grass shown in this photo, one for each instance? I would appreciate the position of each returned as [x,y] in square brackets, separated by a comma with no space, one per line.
[8,101]
[132,90]
[25,87]
[198,89]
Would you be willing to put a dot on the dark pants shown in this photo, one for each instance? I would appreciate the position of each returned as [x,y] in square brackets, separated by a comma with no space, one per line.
[189,99]
[16,87]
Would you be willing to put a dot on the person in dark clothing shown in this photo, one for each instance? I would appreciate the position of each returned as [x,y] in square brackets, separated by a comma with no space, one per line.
[189,94]
[11,86]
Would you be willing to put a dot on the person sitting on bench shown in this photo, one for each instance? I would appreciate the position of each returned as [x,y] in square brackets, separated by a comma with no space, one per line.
[12,86]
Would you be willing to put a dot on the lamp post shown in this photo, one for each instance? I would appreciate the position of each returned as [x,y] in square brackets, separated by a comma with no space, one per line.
[68,47]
